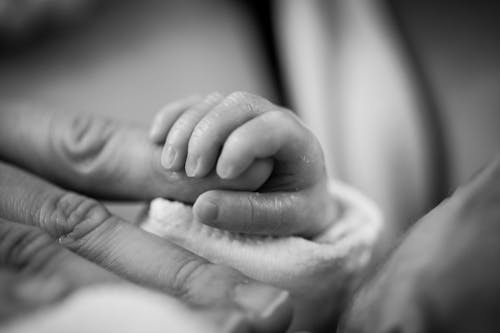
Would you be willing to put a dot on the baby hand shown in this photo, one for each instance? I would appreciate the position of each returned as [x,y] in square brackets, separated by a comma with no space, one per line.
[230,134]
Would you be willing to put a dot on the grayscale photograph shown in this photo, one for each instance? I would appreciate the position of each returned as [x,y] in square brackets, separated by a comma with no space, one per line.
[249,166]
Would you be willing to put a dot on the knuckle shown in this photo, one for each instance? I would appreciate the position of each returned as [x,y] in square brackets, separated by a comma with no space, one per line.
[252,213]
[213,97]
[237,97]
[207,133]
[182,123]
[246,102]
[249,108]
[75,219]
[179,129]
[203,128]
[278,218]
[185,277]
[183,126]
[203,283]
[266,215]
[23,246]
[82,144]
[208,101]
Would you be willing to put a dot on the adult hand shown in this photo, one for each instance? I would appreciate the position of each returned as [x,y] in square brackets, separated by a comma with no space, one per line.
[101,157]
[104,159]
[84,227]
[444,276]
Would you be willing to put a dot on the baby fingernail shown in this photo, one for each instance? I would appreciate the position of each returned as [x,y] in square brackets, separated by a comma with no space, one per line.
[193,166]
[168,156]
[262,300]
[206,211]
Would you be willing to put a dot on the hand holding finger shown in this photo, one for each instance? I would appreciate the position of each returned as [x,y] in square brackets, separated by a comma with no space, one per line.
[101,157]
[242,131]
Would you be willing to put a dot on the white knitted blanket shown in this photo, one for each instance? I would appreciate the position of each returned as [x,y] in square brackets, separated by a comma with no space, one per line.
[287,262]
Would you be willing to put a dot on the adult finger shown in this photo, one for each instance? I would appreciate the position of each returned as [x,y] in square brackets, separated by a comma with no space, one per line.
[102,158]
[85,227]
[273,213]
[32,251]
[36,273]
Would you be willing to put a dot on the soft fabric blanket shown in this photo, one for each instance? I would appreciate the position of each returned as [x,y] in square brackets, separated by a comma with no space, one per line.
[318,272]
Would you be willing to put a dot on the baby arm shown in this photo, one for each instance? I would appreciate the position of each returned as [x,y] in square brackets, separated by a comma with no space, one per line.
[229,135]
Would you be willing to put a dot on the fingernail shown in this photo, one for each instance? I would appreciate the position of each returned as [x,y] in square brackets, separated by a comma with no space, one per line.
[260,299]
[168,156]
[193,166]
[206,211]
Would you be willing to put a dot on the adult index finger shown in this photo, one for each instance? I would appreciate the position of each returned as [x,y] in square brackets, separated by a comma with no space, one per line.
[102,158]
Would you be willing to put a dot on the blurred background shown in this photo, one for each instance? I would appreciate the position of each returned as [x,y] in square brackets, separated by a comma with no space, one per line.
[404,95]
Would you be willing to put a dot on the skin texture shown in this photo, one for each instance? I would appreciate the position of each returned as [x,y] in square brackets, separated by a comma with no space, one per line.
[337,258]
[231,135]
[51,231]
[101,157]
[444,275]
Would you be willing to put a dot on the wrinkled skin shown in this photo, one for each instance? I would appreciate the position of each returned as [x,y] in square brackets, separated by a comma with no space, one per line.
[444,276]
[54,240]
[231,134]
